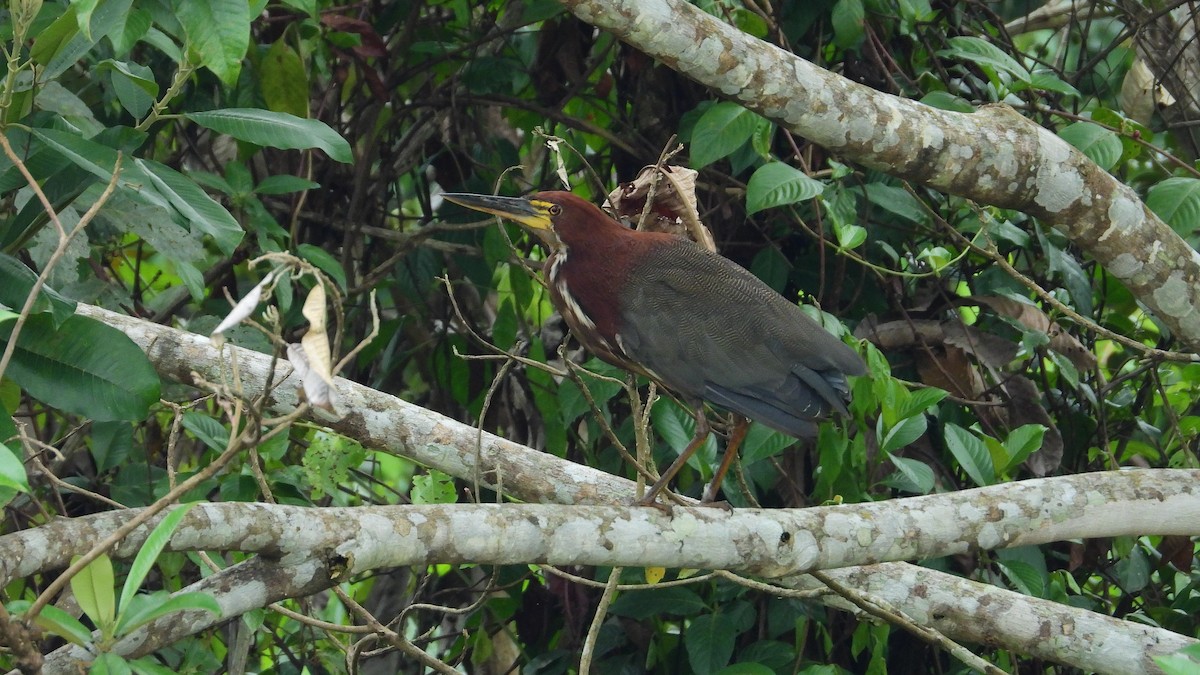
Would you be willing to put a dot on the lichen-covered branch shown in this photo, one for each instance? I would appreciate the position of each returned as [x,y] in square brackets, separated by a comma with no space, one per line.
[994,156]
[763,542]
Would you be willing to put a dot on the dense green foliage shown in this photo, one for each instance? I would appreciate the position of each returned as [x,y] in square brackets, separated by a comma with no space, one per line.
[207,134]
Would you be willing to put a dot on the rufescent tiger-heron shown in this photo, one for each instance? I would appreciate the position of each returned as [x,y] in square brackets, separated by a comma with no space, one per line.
[697,323]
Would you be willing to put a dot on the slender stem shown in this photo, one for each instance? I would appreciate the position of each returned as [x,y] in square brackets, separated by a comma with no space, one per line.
[589,644]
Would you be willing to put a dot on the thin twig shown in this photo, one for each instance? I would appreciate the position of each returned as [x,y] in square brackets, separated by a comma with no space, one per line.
[589,643]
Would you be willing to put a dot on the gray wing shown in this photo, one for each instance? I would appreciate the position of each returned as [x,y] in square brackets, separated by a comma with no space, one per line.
[741,345]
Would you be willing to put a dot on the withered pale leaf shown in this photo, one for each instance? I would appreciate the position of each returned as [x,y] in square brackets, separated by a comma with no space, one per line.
[244,307]
[316,340]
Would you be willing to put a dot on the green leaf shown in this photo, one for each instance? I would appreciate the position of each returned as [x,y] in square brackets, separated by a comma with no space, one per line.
[907,431]
[1023,576]
[56,622]
[218,33]
[644,604]
[849,235]
[150,182]
[12,470]
[284,82]
[279,185]
[94,589]
[1133,570]
[144,561]
[84,367]
[723,128]
[109,663]
[328,460]
[147,665]
[1100,145]
[325,262]
[848,19]
[1177,201]
[211,432]
[779,184]
[61,44]
[16,282]
[133,84]
[147,607]
[762,442]
[919,400]
[275,130]
[434,487]
[1021,443]
[1186,661]
[983,53]
[193,204]
[1048,81]
[917,474]
[898,201]
[96,158]
[947,101]
[709,640]
[676,427]
[971,453]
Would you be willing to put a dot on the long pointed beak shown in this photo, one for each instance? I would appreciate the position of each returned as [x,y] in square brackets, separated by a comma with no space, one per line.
[516,209]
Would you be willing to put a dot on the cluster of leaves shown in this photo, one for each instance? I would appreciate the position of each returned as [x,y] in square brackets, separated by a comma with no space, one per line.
[170,131]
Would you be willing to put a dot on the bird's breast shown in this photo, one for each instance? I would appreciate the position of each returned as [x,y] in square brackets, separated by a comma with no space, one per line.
[589,303]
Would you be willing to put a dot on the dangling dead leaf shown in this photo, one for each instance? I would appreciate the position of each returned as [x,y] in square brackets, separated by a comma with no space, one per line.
[674,207]
[244,307]
[1035,319]
[316,340]
[950,369]
[314,388]
[1025,407]
[1141,94]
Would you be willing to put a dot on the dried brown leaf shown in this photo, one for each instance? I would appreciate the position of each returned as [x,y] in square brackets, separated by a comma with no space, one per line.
[674,207]
[1035,319]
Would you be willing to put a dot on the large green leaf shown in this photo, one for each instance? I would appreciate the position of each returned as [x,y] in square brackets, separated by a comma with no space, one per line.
[848,18]
[218,33]
[62,43]
[276,130]
[972,455]
[150,182]
[149,606]
[1101,145]
[12,471]
[284,81]
[133,84]
[193,203]
[148,553]
[1177,201]
[16,282]
[56,622]
[94,589]
[722,128]
[983,53]
[779,184]
[84,367]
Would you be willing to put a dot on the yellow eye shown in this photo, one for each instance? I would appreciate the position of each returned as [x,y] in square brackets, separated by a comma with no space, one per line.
[555,209]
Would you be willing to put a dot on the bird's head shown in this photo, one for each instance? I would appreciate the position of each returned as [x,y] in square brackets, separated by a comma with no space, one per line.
[558,219]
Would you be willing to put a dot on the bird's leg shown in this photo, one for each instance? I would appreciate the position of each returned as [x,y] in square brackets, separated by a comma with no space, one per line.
[698,439]
[740,426]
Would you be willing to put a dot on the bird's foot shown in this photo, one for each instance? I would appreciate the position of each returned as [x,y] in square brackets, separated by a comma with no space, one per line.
[722,504]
